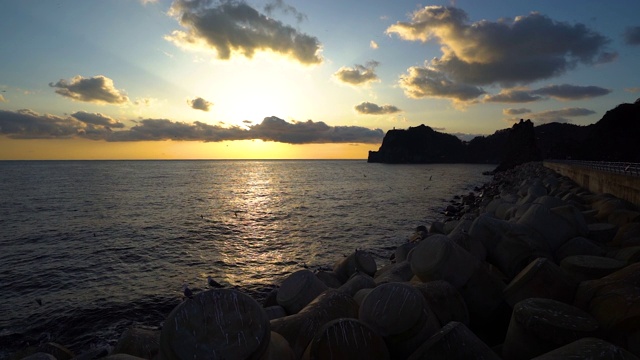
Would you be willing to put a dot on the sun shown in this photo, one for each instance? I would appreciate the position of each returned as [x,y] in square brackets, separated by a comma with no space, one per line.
[255,88]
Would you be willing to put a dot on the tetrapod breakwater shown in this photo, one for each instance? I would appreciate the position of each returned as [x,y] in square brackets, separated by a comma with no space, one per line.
[528,266]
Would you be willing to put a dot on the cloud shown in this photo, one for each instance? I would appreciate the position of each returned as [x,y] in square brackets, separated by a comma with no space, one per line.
[27,124]
[145,2]
[422,82]
[526,49]
[234,27]
[632,35]
[144,101]
[513,96]
[559,92]
[374,109]
[373,44]
[285,8]
[572,92]
[98,89]
[164,129]
[559,116]
[97,119]
[2,99]
[512,111]
[633,89]
[359,74]
[200,104]
[276,129]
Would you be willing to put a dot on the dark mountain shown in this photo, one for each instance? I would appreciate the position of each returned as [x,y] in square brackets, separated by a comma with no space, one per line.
[419,145]
[616,137]
[561,141]
[521,146]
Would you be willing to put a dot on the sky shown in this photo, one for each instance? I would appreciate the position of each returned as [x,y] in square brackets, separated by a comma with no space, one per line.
[299,79]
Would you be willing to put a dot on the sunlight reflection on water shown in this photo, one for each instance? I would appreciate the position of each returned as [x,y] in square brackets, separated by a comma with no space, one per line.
[123,236]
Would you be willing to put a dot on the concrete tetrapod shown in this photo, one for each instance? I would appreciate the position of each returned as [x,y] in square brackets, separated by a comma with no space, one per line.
[400,314]
[357,282]
[578,246]
[445,301]
[358,261]
[542,278]
[298,290]
[587,267]
[614,301]
[346,339]
[398,272]
[300,328]
[215,324]
[439,258]
[556,225]
[454,342]
[588,348]
[541,325]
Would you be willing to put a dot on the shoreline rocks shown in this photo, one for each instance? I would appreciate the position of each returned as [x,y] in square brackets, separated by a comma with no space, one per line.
[530,266]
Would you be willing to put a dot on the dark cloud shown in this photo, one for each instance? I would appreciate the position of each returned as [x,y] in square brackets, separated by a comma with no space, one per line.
[512,111]
[423,82]
[97,119]
[276,129]
[200,104]
[98,89]
[359,74]
[526,49]
[374,109]
[163,129]
[285,8]
[234,26]
[559,116]
[558,92]
[632,35]
[606,57]
[513,96]
[26,124]
[571,92]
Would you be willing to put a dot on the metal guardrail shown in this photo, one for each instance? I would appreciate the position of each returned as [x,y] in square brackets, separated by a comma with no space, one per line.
[625,168]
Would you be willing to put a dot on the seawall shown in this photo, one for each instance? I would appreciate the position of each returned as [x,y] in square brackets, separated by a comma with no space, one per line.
[624,185]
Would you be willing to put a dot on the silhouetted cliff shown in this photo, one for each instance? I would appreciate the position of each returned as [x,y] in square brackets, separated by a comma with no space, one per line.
[419,145]
[616,137]
[521,146]
[613,138]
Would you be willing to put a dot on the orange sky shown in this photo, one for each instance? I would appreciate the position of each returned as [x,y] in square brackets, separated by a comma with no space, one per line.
[82,149]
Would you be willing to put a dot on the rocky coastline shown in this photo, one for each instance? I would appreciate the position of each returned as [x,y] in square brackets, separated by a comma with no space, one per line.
[612,138]
[528,266]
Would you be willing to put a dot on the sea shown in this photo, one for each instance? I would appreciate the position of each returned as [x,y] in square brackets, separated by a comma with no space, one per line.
[89,248]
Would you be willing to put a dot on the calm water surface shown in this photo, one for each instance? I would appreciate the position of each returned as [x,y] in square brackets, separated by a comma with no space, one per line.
[108,244]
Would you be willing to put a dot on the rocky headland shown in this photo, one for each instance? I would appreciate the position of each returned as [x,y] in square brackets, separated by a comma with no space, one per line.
[528,266]
[612,138]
